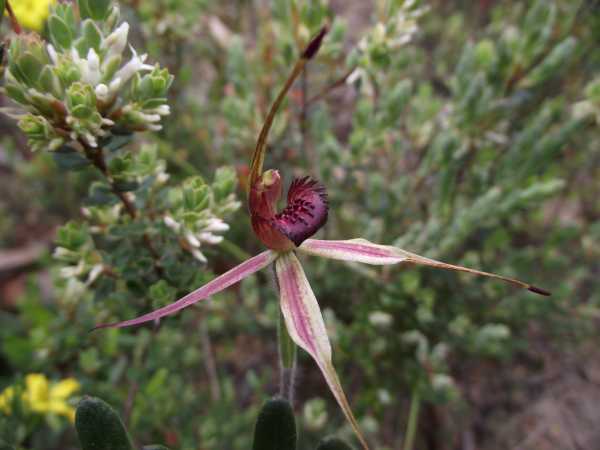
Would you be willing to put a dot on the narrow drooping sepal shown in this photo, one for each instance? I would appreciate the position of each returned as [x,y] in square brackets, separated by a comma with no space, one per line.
[361,250]
[223,281]
[306,327]
[306,210]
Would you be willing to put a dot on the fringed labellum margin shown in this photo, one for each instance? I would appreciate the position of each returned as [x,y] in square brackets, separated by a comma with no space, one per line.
[305,212]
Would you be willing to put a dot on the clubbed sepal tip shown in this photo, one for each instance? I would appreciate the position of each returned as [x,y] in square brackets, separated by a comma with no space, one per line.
[315,43]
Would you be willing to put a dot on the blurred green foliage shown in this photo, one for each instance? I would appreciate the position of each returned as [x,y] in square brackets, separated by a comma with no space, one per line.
[464,131]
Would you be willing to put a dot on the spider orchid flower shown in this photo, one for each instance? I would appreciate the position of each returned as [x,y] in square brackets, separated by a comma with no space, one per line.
[288,232]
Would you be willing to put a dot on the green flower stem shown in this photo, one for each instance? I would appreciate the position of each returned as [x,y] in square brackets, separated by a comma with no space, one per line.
[413,420]
[287,357]
[287,360]
[235,250]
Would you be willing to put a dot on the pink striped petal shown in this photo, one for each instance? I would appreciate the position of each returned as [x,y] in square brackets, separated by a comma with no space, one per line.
[223,281]
[361,250]
[306,327]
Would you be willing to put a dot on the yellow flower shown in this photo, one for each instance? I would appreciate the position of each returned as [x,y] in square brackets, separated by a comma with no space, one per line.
[42,397]
[6,399]
[32,13]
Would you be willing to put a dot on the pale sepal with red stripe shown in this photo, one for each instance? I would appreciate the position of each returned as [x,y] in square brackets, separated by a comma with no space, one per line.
[306,327]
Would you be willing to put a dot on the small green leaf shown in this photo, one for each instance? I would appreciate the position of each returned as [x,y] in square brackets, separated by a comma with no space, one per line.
[110,67]
[275,427]
[154,103]
[16,93]
[125,185]
[2,8]
[82,112]
[100,194]
[99,427]
[60,34]
[84,9]
[91,35]
[98,9]
[68,158]
[30,67]
[114,143]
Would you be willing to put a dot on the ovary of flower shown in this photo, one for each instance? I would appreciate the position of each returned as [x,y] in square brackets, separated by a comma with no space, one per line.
[115,43]
[32,13]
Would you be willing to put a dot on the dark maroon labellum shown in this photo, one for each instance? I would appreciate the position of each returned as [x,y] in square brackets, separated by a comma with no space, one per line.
[305,213]
[306,210]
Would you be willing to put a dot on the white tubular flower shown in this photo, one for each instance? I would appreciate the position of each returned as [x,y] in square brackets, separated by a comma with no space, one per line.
[114,86]
[210,238]
[162,110]
[150,118]
[116,41]
[162,178]
[52,54]
[92,75]
[215,224]
[199,255]
[94,274]
[192,240]
[61,252]
[91,139]
[132,67]
[172,223]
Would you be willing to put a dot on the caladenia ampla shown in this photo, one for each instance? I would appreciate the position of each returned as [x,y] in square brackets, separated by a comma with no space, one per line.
[287,232]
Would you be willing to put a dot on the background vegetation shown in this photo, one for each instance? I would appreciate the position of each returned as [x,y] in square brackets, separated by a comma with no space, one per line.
[466,131]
